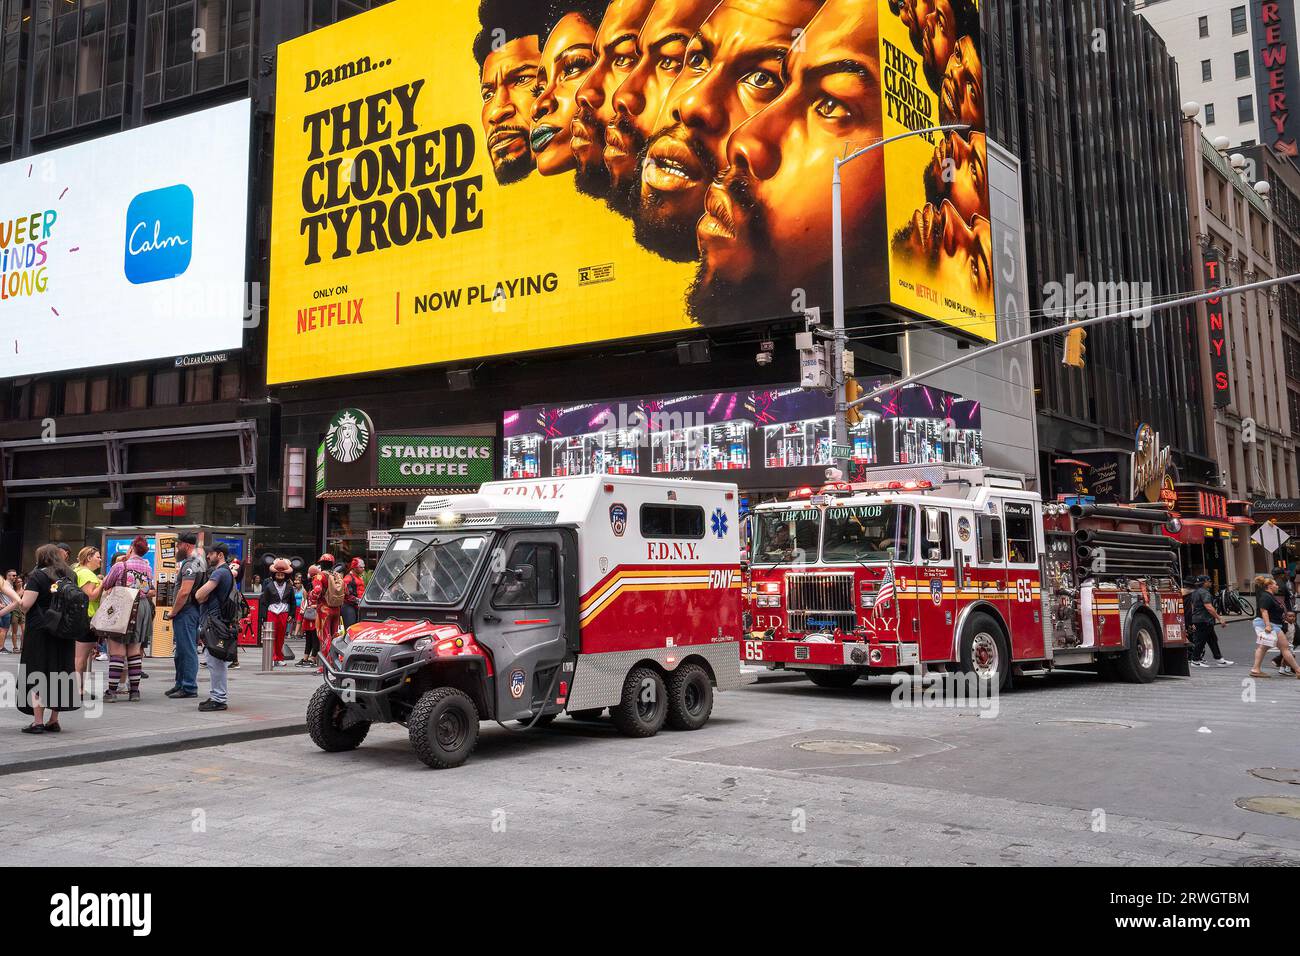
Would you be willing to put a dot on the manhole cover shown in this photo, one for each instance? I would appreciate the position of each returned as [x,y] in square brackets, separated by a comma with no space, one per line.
[1277,774]
[1265,861]
[1103,724]
[845,747]
[1278,806]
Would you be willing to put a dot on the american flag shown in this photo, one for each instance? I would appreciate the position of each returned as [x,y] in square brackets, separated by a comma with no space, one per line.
[886,592]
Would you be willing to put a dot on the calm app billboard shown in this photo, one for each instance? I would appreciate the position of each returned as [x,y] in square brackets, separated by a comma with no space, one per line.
[126,248]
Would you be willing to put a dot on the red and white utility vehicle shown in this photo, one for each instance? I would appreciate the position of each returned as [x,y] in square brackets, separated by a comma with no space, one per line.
[537,597]
[962,570]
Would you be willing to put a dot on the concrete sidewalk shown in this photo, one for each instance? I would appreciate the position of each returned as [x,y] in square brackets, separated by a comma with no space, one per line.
[261,705]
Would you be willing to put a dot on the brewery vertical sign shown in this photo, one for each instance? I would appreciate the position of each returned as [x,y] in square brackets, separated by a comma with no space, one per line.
[1277,82]
[1215,321]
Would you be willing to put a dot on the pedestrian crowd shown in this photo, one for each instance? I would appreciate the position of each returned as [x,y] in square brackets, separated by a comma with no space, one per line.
[65,614]
[1276,600]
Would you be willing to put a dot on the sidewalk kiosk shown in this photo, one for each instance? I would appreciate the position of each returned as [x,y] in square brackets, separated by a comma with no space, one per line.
[166,565]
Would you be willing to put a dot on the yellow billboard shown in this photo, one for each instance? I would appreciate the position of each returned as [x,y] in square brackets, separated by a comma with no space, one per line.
[469,179]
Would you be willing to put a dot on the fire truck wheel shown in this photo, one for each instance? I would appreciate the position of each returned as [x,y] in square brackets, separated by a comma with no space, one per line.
[444,727]
[1141,662]
[327,722]
[644,707]
[984,650]
[594,714]
[835,680]
[690,697]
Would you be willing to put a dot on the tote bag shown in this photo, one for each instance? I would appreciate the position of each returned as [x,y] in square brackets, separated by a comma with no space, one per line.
[114,616]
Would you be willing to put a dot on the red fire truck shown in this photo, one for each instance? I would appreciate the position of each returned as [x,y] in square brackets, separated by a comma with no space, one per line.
[961,570]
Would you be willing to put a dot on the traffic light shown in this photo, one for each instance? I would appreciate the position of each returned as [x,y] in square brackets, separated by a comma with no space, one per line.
[1074,348]
[852,392]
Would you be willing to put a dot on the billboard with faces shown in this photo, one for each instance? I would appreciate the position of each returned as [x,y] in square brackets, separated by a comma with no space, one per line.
[469,179]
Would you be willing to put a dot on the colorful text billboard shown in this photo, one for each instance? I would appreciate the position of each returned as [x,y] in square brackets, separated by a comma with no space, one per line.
[126,248]
[463,179]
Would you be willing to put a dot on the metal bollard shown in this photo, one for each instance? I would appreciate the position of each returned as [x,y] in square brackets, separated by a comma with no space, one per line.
[268,646]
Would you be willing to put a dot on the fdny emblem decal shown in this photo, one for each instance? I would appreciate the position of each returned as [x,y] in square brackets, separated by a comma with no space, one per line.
[517,680]
[719,523]
[936,591]
[963,528]
[618,519]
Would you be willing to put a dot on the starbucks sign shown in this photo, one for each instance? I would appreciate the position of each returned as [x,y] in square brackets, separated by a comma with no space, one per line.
[348,435]
[430,461]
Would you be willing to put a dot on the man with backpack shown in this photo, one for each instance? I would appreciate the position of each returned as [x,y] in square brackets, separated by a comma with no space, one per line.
[328,597]
[214,600]
[185,616]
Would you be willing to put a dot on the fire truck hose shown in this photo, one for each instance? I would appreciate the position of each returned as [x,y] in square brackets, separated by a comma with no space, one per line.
[1128,554]
[1136,538]
[1137,515]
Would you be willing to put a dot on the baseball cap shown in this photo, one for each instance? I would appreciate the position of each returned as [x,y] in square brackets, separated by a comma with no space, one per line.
[1203,578]
[219,546]
[187,537]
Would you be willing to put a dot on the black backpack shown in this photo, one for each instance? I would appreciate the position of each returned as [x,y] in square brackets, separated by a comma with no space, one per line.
[68,616]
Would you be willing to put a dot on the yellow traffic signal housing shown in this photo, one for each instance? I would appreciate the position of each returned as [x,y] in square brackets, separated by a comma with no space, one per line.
[852,392]
[1074,348]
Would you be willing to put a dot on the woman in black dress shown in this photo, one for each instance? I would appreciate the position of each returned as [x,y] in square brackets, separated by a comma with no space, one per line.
[48,663]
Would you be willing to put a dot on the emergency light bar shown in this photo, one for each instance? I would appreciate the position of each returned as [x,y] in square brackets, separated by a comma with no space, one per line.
[844,488]
[479,519]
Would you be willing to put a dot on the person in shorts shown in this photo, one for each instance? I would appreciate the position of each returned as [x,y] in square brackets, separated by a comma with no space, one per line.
[1270,613]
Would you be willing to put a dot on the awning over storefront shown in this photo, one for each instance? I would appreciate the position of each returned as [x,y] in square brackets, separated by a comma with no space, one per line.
[1196,530]
[368,494]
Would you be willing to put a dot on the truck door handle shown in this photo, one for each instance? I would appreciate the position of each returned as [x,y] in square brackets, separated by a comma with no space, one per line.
[491,619]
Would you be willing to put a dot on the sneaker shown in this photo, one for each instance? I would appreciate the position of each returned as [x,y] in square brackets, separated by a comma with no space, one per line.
[110,697]
[1224,662]
[1198,663]
[210,705]
[101,657]
[182,694]
[234,665]
[134,697]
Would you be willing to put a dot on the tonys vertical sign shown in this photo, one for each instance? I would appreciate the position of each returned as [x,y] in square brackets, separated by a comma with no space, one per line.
[1218,332]
[1277,82]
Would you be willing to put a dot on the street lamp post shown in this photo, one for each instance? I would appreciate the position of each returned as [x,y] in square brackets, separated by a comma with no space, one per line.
[837,283]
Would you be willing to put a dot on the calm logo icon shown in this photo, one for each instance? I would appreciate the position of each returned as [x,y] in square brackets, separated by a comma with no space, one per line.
[159,233]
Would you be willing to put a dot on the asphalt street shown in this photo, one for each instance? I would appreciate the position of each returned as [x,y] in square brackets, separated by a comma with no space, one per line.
[1070,771]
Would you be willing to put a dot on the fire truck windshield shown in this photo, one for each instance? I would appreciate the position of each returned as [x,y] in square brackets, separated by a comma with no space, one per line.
[788,536]
[426,569]
[866,533]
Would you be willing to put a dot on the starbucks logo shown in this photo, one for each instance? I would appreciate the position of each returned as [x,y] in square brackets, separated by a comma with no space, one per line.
[348,435]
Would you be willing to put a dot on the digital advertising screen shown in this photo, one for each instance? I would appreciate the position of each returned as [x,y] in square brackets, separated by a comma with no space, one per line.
[468,179]
[126,248]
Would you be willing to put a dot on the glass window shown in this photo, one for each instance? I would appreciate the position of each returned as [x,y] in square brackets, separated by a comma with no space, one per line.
[1238,21]
[425,569]
[1020,534]
[672,521]
[531,577]
[1241,62]
[943,550]
[1209,114]
[862,533]
[1207,71]
[1203,24]
[990,539]
[1246,109]
[786,537]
